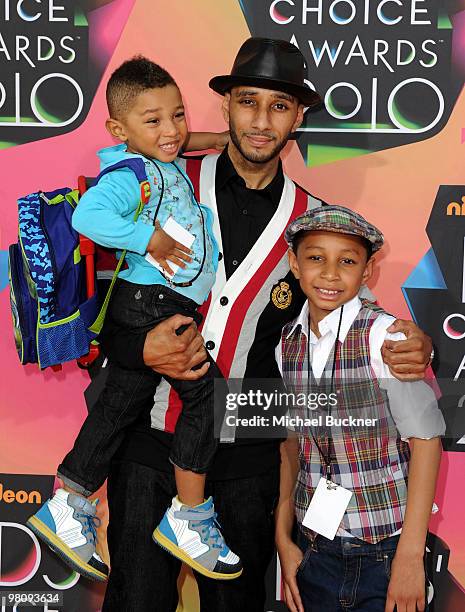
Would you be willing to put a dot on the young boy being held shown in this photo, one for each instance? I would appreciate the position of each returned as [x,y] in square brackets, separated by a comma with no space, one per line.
[147,115]
[361,527]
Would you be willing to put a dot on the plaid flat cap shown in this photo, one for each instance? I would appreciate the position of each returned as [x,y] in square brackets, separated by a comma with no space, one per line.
[335,219]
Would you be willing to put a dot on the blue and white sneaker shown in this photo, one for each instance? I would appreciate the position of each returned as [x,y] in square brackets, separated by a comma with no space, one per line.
[67,524]
[193,536]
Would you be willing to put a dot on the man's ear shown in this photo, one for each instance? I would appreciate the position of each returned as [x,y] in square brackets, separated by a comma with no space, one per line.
[116,129]
[299,119]
[225,106]
[368,272]
[294,266]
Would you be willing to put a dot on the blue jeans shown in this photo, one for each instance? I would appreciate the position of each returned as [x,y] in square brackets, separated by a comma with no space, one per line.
[345,573]
[128,394]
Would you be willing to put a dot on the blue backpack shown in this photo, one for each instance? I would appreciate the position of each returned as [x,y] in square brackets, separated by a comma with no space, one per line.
[54,318]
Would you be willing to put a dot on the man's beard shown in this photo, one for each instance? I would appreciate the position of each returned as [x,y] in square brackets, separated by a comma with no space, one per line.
[256,157]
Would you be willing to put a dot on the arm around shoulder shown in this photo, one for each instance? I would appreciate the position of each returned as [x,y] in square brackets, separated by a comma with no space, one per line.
[408,359]
[201,141]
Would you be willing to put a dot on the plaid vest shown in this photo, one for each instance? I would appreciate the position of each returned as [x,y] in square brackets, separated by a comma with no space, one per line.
[372,462]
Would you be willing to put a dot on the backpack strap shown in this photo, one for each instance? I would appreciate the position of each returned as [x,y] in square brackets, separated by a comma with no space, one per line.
[35,247]
[138,167]
[72,197]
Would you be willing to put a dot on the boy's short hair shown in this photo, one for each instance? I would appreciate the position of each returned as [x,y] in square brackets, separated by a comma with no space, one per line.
[132,78]
[297,239]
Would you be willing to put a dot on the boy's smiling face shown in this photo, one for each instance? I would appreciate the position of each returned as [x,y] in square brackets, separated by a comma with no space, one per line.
[155,125]
[330,267]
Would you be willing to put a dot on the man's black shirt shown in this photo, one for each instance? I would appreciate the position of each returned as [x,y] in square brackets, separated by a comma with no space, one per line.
[243,213]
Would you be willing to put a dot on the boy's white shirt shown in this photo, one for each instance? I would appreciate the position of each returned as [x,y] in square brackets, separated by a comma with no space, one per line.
[413,405]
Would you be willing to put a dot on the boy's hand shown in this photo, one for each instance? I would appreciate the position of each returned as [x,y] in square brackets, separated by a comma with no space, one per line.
[407,585]
[290,557]
[163,248]
[221,140]
[407,359]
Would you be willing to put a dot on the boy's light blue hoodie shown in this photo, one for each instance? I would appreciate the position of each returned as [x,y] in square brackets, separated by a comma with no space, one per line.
[105,214]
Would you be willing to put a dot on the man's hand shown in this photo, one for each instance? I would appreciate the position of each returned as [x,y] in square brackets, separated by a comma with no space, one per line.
[407,359]
[407,585]
[163,248]
[172,355]
[290,557]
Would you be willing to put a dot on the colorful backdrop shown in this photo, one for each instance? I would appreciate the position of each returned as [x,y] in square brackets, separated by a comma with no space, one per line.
[388,143]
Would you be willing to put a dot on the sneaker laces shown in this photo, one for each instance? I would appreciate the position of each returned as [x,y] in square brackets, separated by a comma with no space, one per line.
[206,520]
[92,523]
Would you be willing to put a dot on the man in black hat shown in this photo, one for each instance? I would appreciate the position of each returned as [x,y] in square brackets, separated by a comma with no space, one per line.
[253,298]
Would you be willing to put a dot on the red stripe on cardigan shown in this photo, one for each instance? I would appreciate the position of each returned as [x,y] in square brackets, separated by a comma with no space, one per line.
[193,167]
[239,310]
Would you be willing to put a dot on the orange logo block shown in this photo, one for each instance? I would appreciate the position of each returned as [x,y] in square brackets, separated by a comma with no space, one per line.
[21,497]
[454,208]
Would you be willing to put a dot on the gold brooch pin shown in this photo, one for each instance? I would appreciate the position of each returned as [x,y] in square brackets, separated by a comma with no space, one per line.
[281,295]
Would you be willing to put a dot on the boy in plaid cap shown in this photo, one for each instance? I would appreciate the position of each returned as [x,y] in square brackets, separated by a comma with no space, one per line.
[365,486]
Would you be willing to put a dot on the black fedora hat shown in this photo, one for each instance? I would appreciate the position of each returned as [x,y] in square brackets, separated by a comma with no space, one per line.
[271,64]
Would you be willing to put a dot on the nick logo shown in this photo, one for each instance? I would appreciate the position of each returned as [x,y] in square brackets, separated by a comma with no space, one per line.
[8,496]
[454,208]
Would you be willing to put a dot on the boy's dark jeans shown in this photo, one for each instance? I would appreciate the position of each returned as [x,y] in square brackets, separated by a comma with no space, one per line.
[345,573]
[128,393]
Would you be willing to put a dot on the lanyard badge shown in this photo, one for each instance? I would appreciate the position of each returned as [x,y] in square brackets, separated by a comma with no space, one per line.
[327,508]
